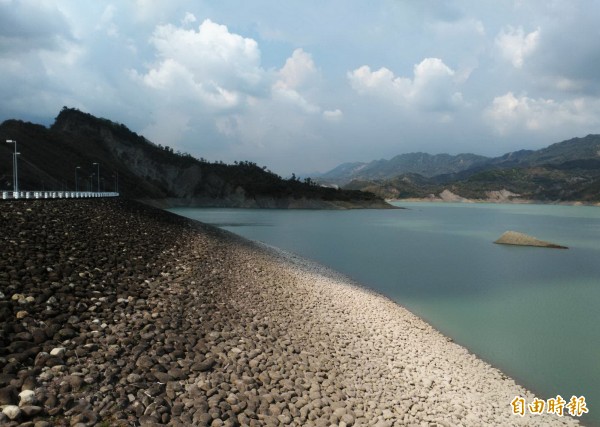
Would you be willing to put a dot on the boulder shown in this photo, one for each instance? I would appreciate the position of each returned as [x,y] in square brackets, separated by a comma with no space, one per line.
[520,239]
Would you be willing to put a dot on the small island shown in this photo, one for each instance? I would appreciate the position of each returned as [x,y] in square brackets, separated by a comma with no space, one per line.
[521,239]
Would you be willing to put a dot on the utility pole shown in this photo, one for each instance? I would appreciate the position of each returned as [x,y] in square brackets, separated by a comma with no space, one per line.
[97,166]
[15,164]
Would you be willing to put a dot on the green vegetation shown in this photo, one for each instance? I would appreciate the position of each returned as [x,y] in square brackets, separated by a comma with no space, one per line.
[566,171]
[143,169]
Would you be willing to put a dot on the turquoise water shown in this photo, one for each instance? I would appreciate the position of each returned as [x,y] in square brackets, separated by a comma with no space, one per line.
[532,312]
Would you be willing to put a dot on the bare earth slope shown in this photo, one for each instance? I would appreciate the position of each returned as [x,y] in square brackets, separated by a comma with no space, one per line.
[113,311]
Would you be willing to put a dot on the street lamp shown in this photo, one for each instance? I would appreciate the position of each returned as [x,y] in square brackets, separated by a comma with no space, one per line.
[15,164]
[76,182]
[116,177]
[98,166]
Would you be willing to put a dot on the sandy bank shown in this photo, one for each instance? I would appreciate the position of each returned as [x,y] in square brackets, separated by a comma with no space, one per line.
[131,315]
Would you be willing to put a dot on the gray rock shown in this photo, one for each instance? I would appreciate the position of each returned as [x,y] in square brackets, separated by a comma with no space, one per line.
[8,395]
[31,410]
[205,365]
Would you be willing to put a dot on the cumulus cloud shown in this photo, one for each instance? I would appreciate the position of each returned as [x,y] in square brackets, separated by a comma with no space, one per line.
[298,69]
[514,45]
[433,86]
[211,65]
[297,72]
[509,113]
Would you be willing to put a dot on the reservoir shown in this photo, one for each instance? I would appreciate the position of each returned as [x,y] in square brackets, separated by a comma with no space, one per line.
[534,313]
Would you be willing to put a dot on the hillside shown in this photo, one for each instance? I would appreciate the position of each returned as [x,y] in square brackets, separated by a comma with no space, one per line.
[151,172]
[565,171]
[424,164]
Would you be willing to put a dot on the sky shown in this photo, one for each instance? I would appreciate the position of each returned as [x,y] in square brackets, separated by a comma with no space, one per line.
[302,86]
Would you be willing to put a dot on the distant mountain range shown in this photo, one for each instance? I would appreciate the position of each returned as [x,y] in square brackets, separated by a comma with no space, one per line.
[564,171]
[63,156]
[424,164]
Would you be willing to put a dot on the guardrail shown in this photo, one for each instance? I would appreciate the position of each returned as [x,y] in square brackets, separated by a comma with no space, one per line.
[12,195]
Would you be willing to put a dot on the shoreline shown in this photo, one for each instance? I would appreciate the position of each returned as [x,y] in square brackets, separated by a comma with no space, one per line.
[311,267]
[267,203]
[495,201]
[136,315]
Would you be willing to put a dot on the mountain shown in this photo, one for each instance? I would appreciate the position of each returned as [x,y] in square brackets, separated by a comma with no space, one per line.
[564,171]
[151,172]
[446,167]
[424,164]
[587,147]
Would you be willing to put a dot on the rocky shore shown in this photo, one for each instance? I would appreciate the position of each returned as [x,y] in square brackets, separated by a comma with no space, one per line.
[114,313]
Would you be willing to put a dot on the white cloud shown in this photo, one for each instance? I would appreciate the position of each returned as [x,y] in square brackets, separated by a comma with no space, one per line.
[514,45]
[188,19]
[333,115]
[212,65]
[106,21]
[298,69]
[509,113]
[293,98]
[433,86]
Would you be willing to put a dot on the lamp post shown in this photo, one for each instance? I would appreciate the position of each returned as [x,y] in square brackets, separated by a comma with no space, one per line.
[116,177]
[76,181]
[92,182]
[98,170]
[15,164]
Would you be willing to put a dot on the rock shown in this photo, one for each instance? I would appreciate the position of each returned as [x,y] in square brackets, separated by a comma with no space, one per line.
[144,362]
[520,239]
[284,419]
[86,418]
[29,383]
[8,395]
[31,410]
[75,382]
[449,196]
[348,419]
[27,397]
[12,412]
[205,365]
[22,314]
[58,351]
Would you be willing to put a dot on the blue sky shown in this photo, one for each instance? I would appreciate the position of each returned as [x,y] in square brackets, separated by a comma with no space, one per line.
[301,86]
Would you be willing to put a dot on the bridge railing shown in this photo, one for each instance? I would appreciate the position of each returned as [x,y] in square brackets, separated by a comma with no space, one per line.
[14,195]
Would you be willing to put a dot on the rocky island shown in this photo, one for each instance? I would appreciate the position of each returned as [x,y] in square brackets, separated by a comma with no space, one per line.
[521,239]
[114,313]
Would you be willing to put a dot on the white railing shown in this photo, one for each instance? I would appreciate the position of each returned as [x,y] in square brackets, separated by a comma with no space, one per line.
[13,195]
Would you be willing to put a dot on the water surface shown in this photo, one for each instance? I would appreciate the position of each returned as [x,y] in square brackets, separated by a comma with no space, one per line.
[532,312]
